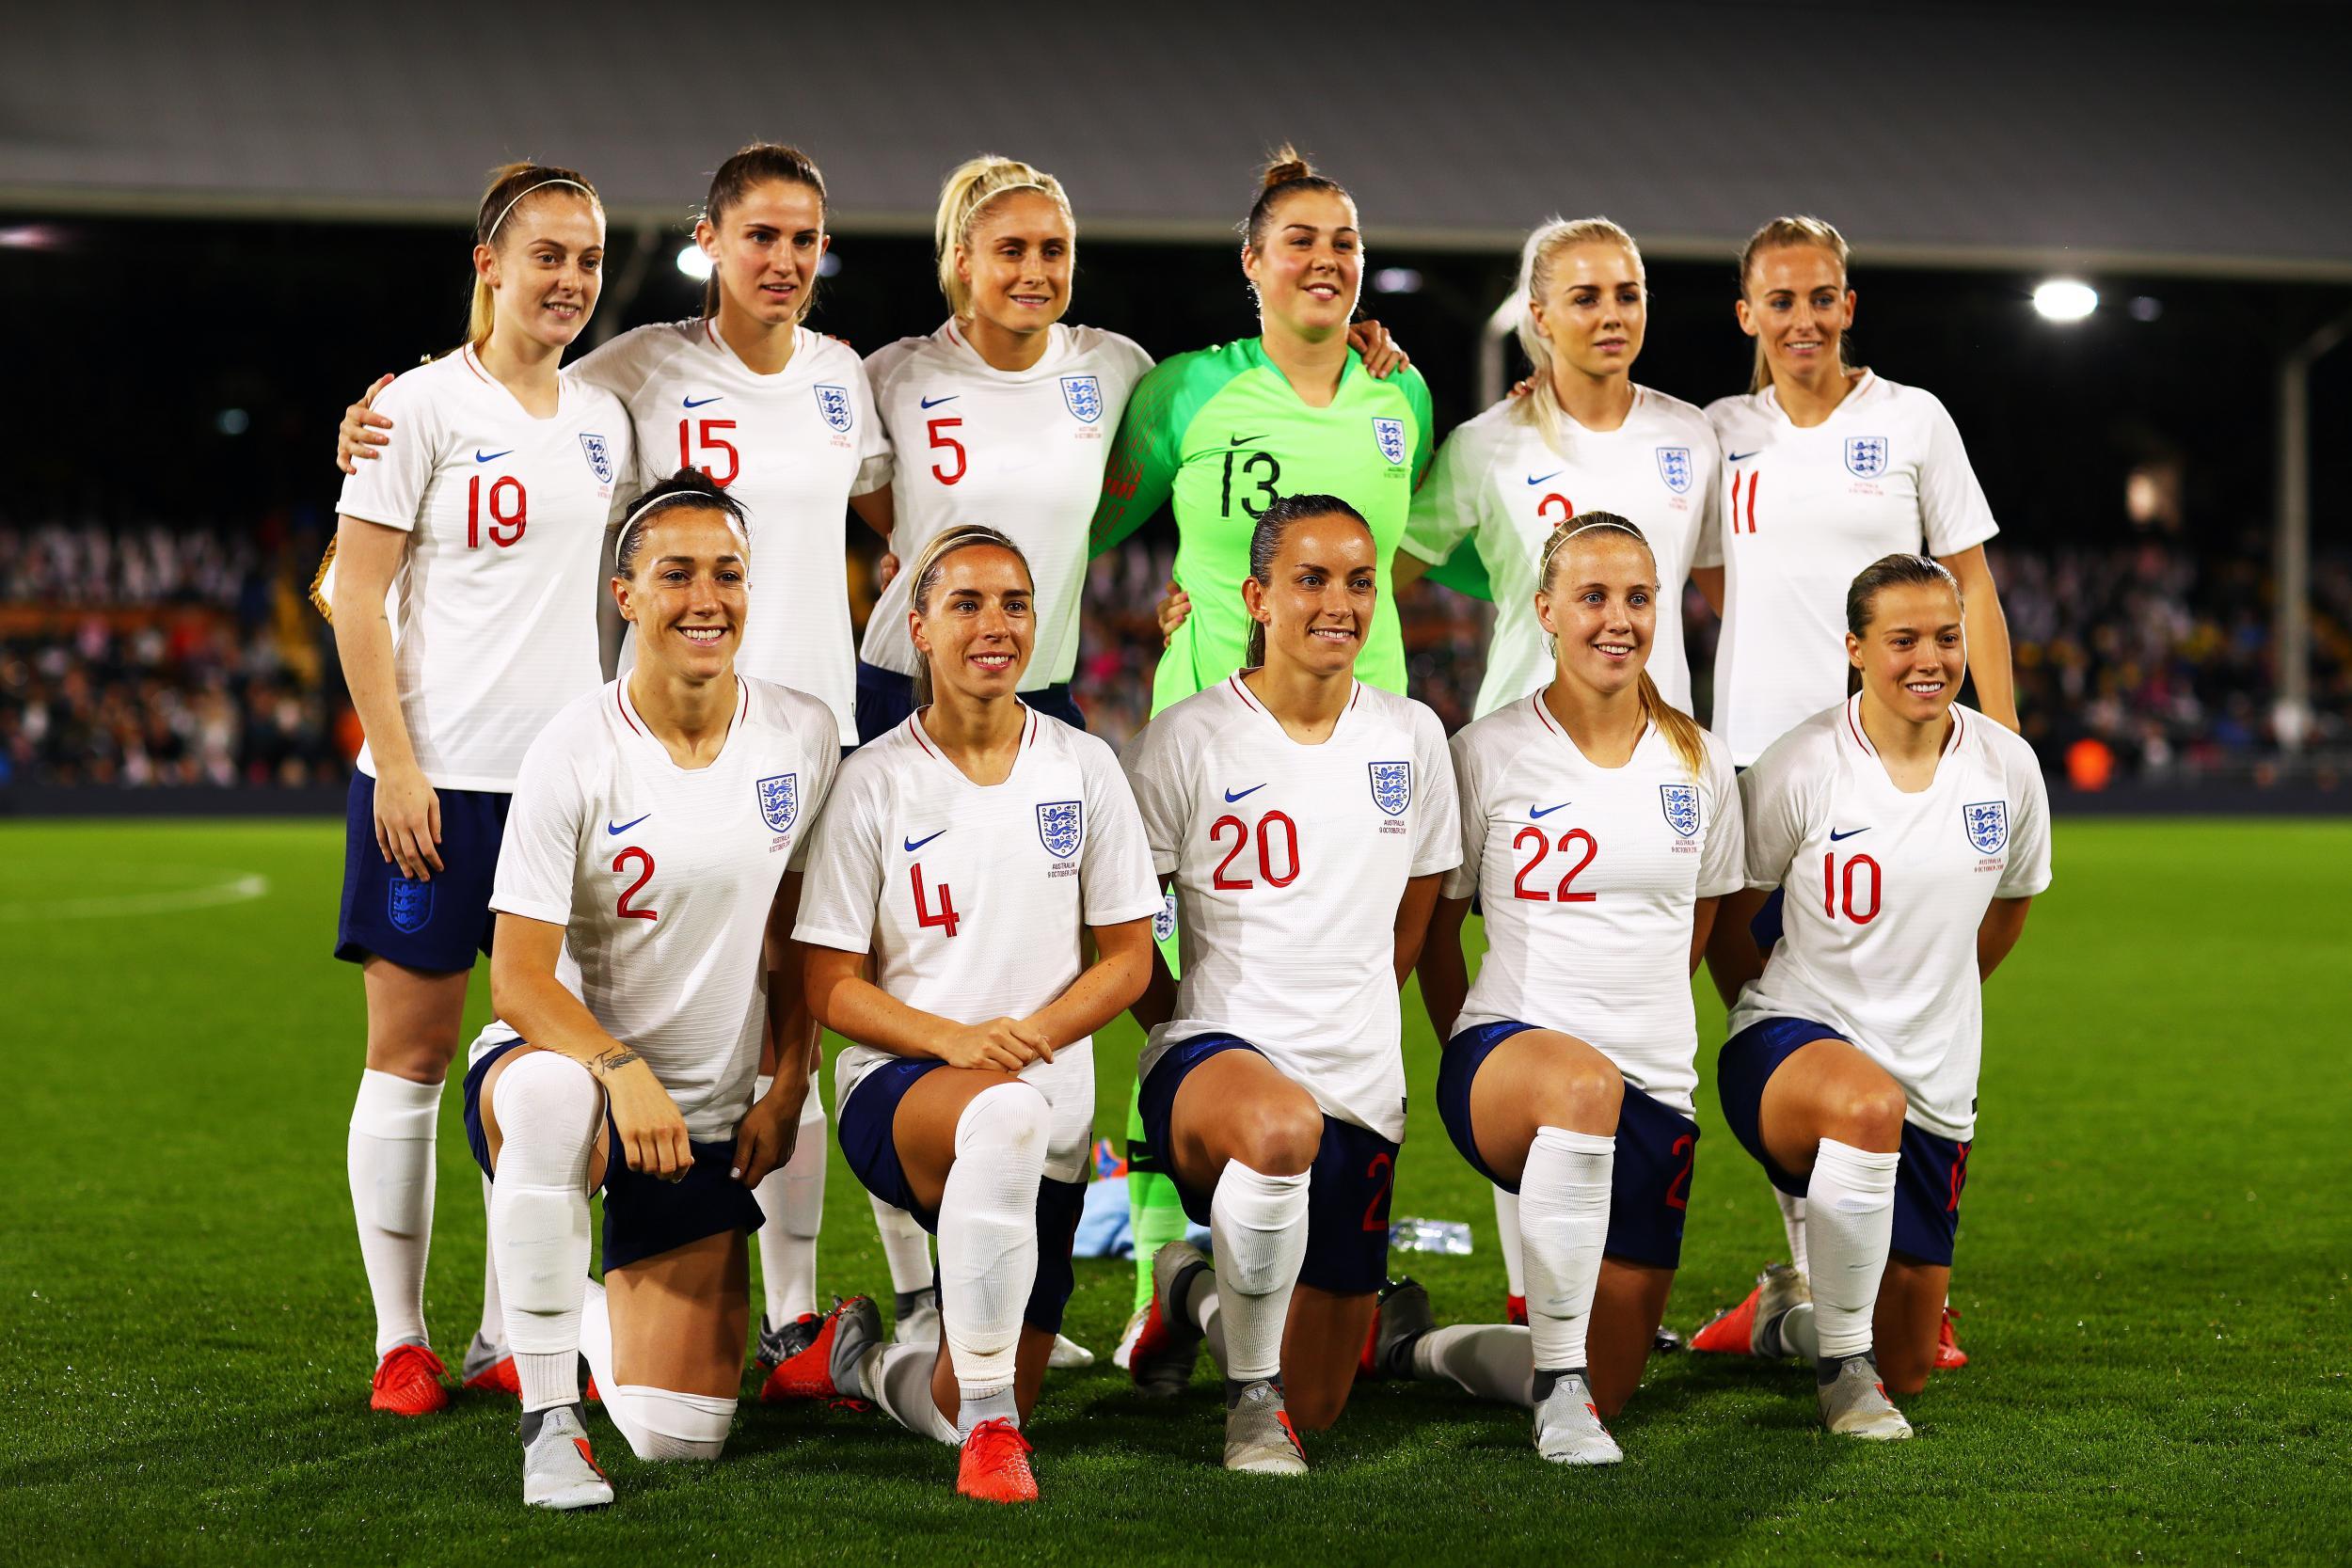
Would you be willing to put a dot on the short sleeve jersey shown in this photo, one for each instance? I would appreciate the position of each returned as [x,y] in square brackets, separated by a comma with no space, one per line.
[1885,890]
[663,877]
[1289,861]
[1019,450]
[494,605]
[1220,433]
[1499,484]
[1590,876]
[1802,513]
[973,898]
[793,448]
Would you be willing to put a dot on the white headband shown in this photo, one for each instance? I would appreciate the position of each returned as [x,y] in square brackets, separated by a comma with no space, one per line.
[620,540]
[1551,550]
[491,233]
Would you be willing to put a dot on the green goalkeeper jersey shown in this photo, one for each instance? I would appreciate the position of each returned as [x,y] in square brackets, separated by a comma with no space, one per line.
[1220,433]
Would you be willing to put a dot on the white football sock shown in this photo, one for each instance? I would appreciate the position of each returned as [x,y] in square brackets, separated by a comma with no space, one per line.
[988,1237]
[493,1310]
[1259,1225]
[1508,1237]
[388,1158]
[1850,1224]
[906,1247]
[1494,1361]
[659,1423]
[899,1378]
[1564,1217]
[1792,1224]
[1200,1309]
[792,1200]
[548,1110]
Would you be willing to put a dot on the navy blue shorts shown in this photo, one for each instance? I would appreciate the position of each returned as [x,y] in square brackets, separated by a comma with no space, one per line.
[865,1124]
[1353,1178]
[1927,1181]
[885,697]
[1656,1149]
[439,924]
[643,1215]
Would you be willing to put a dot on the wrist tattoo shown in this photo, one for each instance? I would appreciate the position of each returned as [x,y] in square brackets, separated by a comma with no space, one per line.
[613,1061]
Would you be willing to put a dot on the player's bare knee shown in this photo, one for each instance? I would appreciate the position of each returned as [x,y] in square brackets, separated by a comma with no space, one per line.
[1585,1095]
[1866,1113]
[1277,1134]
[420,1061]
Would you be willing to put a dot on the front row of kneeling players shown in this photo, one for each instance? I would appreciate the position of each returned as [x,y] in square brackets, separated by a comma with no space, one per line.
[977,901]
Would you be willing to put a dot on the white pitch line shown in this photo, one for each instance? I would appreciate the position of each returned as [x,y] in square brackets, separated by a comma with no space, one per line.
[237,890]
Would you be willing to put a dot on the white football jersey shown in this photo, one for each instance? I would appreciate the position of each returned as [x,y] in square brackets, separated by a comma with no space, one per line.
[1590,876]
[1886,891]
[494,606]
[973,898]
[1496,479]
[793,448]
[1289,863]
[1019,450]
[1802,513]
[662,879]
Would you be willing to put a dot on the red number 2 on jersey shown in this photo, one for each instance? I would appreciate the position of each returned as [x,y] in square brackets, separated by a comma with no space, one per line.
[1544,846]
[621,907]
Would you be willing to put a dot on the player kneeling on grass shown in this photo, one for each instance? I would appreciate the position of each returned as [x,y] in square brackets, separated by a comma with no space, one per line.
[643,911]
[1911,834]
[1603,825]
[966,857]
[1303,820]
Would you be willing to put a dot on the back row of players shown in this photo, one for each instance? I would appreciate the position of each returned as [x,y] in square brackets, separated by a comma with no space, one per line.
[618,950]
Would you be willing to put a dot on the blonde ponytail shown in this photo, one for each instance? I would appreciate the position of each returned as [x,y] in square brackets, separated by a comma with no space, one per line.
[970,186]
[1775,235]
[1541,406]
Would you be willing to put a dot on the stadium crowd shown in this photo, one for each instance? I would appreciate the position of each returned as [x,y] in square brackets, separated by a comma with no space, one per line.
[152,656]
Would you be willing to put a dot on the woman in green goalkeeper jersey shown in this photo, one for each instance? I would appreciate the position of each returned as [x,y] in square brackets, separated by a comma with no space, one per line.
[1221,431]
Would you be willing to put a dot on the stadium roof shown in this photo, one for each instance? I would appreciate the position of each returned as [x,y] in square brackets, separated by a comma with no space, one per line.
[2155,137]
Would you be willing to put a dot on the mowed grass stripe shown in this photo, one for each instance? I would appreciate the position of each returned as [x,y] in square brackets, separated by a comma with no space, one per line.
[2153,1272]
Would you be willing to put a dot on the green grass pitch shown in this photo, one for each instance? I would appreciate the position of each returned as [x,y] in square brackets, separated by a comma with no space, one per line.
[2154,1274]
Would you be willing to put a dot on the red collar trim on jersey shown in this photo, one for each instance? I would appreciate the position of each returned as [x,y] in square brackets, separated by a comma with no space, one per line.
[1536,701]
[742,704]
[915,727]
[620,698]
[711,331]
[473,363]
[1854,726]
[1242,692]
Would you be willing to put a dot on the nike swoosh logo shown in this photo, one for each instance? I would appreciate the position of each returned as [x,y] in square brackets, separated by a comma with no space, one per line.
[1535,479]
[1739,456]
[699,402]
[1233,795]
[624,826]
[1241,440]
[481,456]
[1538,813]
[1837,837]
[933,403]
[914,844]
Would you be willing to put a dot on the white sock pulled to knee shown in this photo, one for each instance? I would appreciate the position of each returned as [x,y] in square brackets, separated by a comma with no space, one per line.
[1494,1361]
[661,1424]
[899,1378]
[548,1109]
[1259,1225]
[388,1158]
[1850,1224]
[1793,1226]
[1507,1236]
[1564,1222]
[792,1202]
[493,1305]
[906,1247]
[988,1242]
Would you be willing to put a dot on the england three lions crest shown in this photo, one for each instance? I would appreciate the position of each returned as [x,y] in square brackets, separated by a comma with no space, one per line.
[832,406]
[1865,455]
[1681,805]
[1061,827]
[1083,396]
[1388,435]
[1987,822]
[1392,787]
[408,904]
[599,456]
[780,800]
[1674,466]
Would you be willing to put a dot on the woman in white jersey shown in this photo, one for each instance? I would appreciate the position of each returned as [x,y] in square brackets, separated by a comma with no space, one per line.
[1583,439]
[1602,826]
[967,858]
[1303,820]
[644,901]
[1909,834]
[1826,469]
[781,417]
[462,595]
